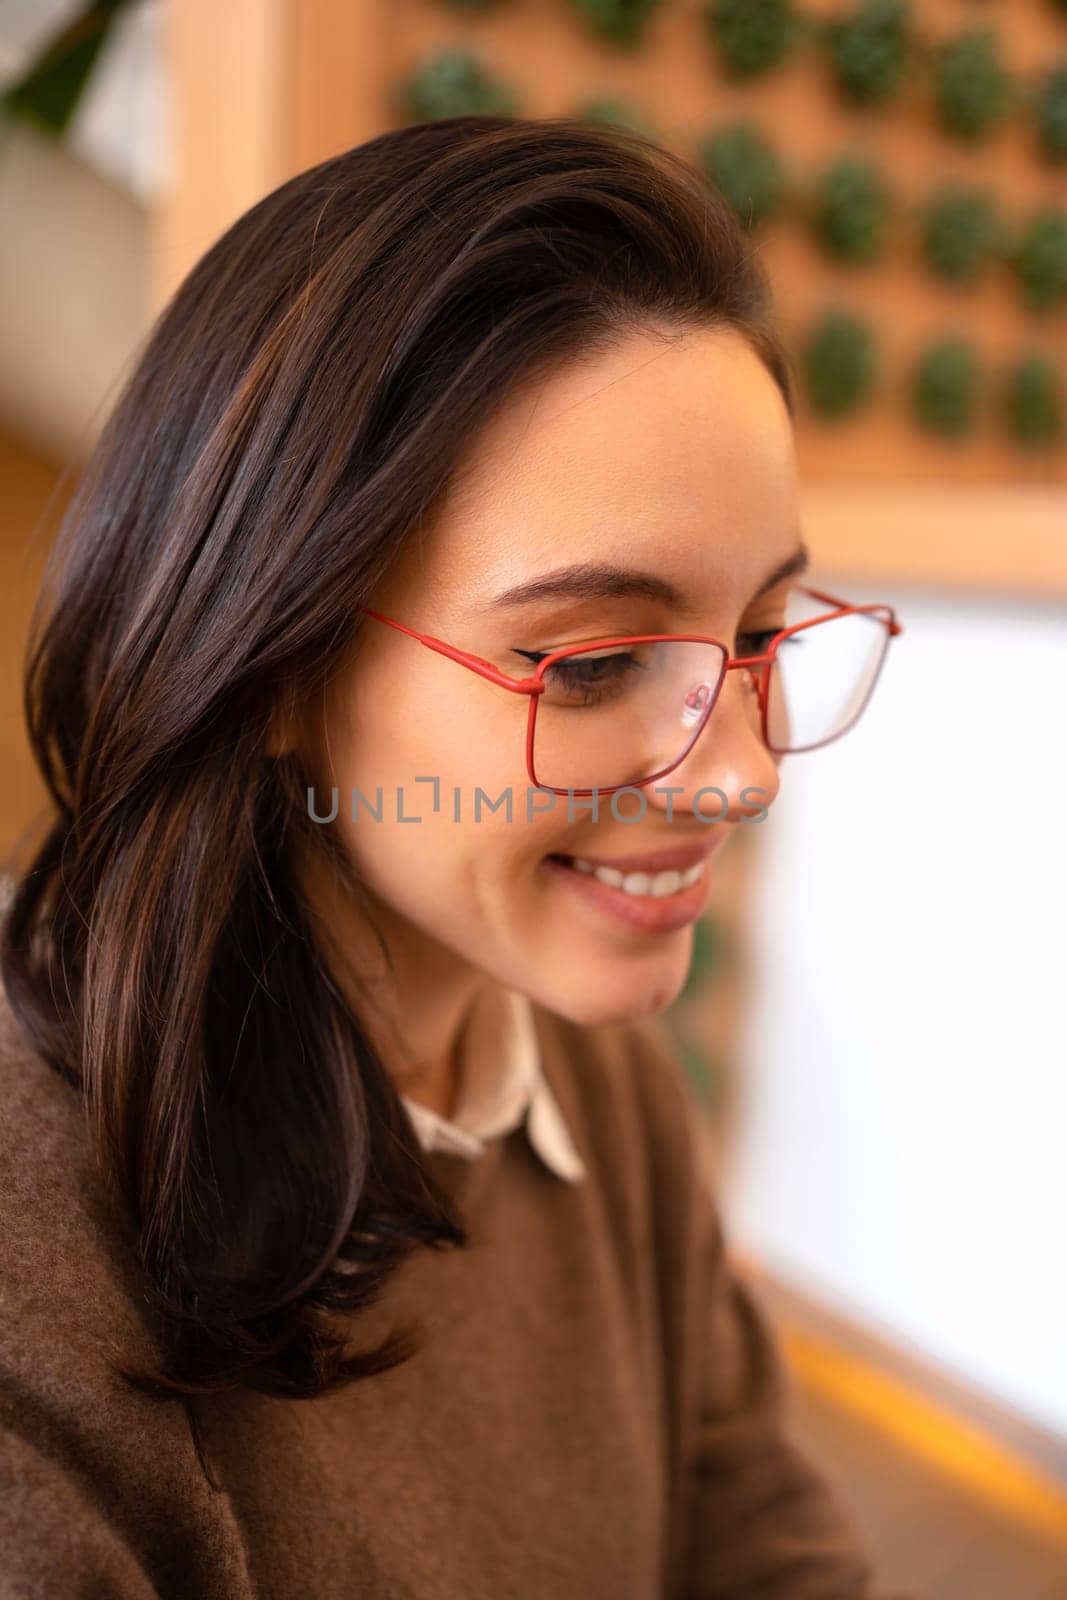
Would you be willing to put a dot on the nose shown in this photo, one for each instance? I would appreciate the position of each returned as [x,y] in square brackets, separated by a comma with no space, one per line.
[730,756]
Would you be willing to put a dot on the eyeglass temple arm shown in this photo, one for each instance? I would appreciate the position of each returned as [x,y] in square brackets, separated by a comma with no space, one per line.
[485,669]
[535,685]
[893,625]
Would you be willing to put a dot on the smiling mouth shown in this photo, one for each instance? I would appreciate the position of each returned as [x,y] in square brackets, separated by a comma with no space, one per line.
[647,885]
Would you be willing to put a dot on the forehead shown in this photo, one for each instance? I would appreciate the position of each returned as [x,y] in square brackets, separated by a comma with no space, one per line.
[671,451]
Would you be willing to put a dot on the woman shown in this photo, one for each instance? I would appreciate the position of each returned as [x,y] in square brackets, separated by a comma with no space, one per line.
[355,1240]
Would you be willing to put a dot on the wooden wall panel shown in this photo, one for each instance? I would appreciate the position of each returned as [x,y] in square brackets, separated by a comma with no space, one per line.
[33,498]
[264,88]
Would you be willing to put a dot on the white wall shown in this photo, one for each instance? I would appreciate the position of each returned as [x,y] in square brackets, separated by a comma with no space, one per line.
[902,1149]
[74,245]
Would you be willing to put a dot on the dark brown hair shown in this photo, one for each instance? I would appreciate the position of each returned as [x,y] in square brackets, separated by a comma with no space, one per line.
[299,404]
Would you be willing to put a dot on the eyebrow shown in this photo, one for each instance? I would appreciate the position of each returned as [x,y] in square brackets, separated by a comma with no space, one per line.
[791,567]
[603,581]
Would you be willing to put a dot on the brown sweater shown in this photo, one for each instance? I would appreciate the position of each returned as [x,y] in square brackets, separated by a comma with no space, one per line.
[597,1413]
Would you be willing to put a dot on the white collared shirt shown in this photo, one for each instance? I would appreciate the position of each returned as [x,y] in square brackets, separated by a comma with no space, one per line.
[502,1085]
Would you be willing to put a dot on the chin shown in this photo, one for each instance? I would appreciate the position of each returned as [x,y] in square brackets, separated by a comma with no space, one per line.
[621,998]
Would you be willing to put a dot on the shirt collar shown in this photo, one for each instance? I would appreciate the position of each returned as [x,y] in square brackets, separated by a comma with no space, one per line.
[502,1085]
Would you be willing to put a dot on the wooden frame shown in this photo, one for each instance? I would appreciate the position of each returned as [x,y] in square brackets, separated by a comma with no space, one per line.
[949,537]
[261,89]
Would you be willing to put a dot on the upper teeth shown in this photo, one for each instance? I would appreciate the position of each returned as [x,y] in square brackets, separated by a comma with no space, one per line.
[652,883]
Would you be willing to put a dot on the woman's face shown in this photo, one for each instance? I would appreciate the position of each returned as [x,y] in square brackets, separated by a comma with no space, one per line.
[670,457]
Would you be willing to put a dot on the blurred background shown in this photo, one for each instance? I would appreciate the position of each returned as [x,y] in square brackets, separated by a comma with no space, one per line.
[874,1020]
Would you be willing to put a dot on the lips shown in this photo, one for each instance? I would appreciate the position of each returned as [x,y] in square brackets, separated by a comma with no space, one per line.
[638,898]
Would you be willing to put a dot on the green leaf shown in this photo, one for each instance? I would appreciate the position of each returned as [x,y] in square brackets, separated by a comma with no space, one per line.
[944,387]
[752,36]
[605,111]
[455,83]
[868,51]
[49,92]
[1041,259]
[961,232]
[709,955]
[1034,401]
[839,363]
[621,22]
[1051,113]
[973,90]
[851,210]
[699,1066]
[745,167]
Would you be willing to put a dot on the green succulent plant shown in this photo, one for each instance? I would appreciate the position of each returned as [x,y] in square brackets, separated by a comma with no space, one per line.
[1051,112]
[868,50]
[1040,259]
[850,212]
[1034,401]
[961,232]
[621,22]
[745,166]
[944,390]
[973,91]
[839,363]
[699,1066]
[752,36]
[709,955]
[605,111]
[454,82]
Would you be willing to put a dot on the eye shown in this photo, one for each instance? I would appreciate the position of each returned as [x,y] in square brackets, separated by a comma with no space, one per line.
[758,642]
[587,679]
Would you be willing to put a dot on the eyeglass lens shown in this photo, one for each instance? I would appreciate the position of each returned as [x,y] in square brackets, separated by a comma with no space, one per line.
[822,677]
[627,712]
[622,713]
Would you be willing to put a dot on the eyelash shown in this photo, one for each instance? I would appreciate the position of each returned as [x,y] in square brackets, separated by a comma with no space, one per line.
[762,636]
[568,675]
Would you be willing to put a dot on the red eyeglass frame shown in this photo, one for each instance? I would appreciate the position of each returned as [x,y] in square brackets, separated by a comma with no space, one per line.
[534,686]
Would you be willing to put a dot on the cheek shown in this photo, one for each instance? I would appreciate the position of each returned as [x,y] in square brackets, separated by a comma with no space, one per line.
[421,748]
[469,885]
[436,721]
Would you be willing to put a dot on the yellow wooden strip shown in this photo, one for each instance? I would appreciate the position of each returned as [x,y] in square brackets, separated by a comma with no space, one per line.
[956,1447]
[1001,539]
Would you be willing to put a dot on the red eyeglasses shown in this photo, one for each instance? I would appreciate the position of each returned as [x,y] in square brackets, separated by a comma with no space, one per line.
[628,710]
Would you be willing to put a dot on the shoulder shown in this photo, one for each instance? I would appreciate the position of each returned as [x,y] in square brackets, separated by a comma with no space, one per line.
[68,1276]
[100,1484]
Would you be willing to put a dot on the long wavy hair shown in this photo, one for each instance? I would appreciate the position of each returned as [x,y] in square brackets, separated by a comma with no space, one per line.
[298,405]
